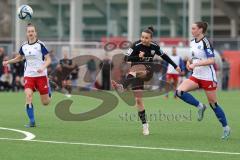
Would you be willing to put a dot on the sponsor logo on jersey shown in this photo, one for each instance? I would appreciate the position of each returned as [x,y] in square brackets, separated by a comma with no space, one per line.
[209,51]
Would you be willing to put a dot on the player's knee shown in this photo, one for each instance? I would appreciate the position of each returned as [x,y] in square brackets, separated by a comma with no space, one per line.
[211,100]
[29,97]
[138,101]
[46,102]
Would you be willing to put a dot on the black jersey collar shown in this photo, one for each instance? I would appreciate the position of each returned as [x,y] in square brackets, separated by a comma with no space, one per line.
[33,42]
[199,40]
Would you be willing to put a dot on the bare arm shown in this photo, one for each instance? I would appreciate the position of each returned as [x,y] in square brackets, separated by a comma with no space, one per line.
[17,59]
[188,64]
[47,61]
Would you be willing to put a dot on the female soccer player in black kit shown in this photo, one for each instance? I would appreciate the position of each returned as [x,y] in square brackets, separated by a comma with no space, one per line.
[141,54]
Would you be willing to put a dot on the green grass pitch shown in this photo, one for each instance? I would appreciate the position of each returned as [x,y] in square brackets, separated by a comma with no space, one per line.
[119,128]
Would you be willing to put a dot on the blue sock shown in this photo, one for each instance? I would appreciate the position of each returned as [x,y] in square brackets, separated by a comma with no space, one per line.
[219,114]
[188,98]
[30,112]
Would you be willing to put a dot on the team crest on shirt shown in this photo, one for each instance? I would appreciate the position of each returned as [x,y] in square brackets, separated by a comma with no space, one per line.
[199,47]
[192,53]
[152,52]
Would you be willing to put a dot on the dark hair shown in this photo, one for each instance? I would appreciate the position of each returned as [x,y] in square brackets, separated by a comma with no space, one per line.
[149,30]
[203,25]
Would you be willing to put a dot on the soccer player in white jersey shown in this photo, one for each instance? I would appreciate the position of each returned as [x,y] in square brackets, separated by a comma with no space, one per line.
[203,76]
[172,74]
[37,60]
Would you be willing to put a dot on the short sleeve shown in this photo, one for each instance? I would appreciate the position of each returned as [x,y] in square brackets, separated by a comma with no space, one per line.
[21,51]
[209,52]
[44,49]
[208,48]
[131,50]
[159,51]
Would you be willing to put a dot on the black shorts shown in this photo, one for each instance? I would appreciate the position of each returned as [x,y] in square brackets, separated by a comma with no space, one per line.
[138,83]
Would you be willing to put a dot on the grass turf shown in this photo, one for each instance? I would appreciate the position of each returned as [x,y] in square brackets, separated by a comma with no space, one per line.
[173,125]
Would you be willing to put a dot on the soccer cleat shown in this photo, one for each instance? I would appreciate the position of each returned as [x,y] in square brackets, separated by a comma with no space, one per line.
[68,95]
[118,87]
[201,112]
[226,132]
[145,129]
[30,125]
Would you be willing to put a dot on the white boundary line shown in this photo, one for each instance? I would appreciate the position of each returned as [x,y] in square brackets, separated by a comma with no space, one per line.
[28,135]
[125,146]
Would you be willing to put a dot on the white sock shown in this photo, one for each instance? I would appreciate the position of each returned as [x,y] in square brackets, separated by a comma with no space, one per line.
[200,106]
[226,127]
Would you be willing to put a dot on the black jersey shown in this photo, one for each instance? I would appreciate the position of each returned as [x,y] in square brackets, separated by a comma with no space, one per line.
[150,51]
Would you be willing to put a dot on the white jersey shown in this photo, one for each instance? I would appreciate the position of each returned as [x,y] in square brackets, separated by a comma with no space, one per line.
[177,60]
[202,50]
[34,58]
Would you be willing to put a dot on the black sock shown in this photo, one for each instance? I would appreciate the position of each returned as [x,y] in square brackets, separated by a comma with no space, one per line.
[128,80]
[142,116]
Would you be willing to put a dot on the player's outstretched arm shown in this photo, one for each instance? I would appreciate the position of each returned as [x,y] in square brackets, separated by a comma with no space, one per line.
[169,60]
[18,58]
